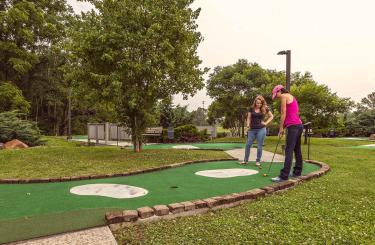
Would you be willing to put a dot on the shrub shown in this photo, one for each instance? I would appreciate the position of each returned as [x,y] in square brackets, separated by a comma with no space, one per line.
[186,133]
[203,136]
[13,127]
[221,135]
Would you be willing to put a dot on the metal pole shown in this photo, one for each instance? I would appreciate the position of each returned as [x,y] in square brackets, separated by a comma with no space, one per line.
[70,114]
[288,65]
[308,147]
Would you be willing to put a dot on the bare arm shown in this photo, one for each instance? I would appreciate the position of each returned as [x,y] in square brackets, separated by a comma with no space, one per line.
[283,114]
[248,122]
[269,118]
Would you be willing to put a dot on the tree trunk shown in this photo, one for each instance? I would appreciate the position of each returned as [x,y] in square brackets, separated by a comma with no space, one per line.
[37,111]
[55,118]
[136,138]
[70,114]
[136,143]
[239,128]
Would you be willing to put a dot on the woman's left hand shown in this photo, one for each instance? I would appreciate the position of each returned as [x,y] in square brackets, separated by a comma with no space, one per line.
[264,124]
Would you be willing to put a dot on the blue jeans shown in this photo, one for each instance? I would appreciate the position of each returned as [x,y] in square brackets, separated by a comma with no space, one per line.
[259,135]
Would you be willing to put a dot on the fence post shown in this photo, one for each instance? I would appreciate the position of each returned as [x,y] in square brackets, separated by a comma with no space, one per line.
[214,131]
[88,134]
[106,132]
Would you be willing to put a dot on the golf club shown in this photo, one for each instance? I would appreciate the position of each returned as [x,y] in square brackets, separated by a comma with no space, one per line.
[278,142]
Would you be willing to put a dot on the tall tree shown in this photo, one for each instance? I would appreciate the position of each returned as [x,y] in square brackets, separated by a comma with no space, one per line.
[31,34]
[199,117]
[139,52]
[369,101]
[317,103]
[234,87]
[166,112]
[28,29]
[362,121]
[181,116]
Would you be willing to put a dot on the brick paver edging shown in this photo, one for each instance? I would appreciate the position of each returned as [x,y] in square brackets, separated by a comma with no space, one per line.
[127,217]
[102,176]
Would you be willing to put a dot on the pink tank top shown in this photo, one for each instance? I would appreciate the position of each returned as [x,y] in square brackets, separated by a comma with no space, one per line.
[292,114]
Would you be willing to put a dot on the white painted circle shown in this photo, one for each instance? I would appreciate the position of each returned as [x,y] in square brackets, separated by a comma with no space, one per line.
[184,147]
[109,190]
[372,145]
[227,173]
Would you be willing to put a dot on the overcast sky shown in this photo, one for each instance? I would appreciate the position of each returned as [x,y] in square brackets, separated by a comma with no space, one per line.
[334,40]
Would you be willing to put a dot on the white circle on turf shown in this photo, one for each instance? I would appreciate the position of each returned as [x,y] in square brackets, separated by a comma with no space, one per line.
[226,173]
[184,147]
[109,190]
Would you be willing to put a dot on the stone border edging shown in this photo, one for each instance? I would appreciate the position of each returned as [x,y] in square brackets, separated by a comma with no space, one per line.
[118,219]
[104,176]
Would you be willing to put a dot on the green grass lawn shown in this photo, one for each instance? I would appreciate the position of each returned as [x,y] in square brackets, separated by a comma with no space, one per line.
[60,158]
[338,208]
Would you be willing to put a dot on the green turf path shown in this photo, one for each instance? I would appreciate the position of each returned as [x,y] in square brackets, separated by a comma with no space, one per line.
[202,146]
[53,209]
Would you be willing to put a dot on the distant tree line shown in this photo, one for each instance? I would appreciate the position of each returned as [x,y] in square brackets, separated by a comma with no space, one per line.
[234,87]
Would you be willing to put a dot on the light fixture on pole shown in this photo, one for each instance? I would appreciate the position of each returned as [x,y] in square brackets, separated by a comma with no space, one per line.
[288,59]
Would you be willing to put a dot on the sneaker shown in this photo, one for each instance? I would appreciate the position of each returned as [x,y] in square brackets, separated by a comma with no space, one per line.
[243,163]
[278,179]
[258,165]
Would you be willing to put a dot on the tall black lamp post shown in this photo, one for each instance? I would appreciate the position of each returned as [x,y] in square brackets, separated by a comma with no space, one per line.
[288,58]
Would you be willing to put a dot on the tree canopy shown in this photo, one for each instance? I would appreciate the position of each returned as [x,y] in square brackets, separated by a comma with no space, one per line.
[139,52]
[234,88]
[11,99]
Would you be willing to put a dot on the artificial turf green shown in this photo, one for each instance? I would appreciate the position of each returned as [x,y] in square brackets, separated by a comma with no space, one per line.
[54,200]
[337,208]
[44,225]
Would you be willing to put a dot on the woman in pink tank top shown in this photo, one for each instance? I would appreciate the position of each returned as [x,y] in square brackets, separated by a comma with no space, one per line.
[291,121]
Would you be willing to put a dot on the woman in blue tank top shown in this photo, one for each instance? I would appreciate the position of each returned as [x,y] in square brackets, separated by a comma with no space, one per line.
[257,127]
